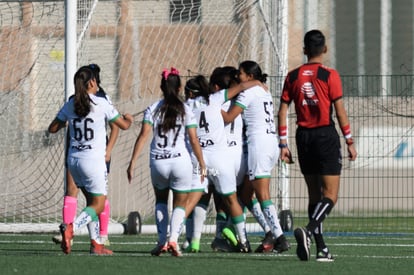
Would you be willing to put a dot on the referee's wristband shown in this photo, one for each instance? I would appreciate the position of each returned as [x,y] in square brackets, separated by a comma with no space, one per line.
[283,145]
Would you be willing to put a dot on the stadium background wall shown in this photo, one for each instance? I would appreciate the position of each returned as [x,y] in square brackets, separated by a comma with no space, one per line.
[132,41]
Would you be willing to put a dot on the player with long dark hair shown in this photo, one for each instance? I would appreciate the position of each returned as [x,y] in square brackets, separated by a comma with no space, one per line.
[86,115]
[256,104]
[70,199]
[171,166]
[213,140]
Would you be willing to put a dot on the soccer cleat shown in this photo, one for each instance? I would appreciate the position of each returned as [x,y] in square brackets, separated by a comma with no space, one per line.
[159,249]
[66,230]
[99,249]
[323,256]
[303,240]
[281,244]
[57,239]
[228,234]
[104,240]
[221,245]
[244,247]
[174,249]
[267,243]
[195,247]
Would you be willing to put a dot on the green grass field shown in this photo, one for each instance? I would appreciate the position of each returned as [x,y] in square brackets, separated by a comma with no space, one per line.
[354,254]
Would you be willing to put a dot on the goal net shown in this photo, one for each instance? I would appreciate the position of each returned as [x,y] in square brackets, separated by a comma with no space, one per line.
[132,41]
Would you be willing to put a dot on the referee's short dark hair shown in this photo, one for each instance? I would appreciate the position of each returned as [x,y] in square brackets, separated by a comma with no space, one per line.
[314,43]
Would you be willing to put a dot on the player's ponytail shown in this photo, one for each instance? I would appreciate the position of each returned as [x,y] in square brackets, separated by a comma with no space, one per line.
[82,102]
[173,106]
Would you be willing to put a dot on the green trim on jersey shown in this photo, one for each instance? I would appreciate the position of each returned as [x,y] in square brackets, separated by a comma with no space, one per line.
[95,194]
[115,118]
[226,97]
[147,122]
[191,126]
[181,191]
[197,190]
[228,194]
[263,177]
[240,105]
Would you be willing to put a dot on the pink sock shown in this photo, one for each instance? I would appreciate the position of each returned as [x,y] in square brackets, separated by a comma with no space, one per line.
[70,205]
[104,220]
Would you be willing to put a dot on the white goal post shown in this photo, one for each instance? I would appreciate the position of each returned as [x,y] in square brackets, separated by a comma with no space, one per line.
[43,42]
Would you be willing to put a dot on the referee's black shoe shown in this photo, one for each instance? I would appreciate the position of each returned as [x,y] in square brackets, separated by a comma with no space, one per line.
[303,240]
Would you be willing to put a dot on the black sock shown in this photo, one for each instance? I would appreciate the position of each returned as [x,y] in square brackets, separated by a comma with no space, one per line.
[317,233]
[322,209]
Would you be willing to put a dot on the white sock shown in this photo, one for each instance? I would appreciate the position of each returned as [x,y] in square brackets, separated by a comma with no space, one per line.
[199,216]
[81,221]
[93,228]
[239,224]
[177,223]
[259,216]
[272,220]
[161,220]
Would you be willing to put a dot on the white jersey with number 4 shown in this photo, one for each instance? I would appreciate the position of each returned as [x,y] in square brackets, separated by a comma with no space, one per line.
[210,131]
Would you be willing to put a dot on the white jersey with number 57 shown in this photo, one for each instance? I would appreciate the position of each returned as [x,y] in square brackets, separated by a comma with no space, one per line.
[172,143]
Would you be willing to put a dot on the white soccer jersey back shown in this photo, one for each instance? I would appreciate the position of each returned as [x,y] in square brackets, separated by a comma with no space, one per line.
[88,134]
[170,144]
[258,111]
[210,131]
[234,130]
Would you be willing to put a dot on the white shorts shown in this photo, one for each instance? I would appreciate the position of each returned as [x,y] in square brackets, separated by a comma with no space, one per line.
[90,174]
[263,153]
[224,180]
[174,173]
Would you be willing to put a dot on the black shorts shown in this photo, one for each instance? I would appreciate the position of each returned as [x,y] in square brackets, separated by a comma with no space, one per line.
[319,151]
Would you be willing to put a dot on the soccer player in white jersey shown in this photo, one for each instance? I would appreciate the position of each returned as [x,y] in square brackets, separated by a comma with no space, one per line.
[70,199]
[256,105]
[212,137]
[171,166]
[224,78]
[86,115]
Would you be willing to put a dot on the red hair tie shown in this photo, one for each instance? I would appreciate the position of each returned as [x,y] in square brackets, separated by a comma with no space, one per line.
[172,71]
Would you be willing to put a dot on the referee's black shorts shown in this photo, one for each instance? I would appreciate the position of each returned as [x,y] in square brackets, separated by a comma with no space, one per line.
[319,151]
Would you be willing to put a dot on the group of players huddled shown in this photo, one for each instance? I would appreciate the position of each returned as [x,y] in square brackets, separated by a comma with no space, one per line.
[219,139]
